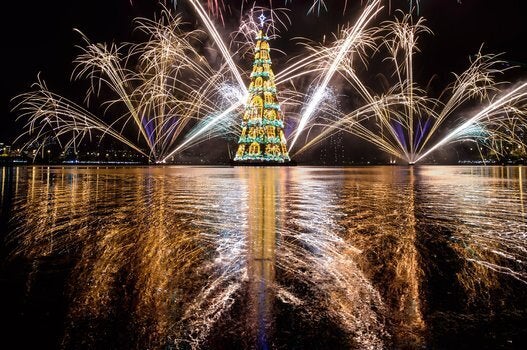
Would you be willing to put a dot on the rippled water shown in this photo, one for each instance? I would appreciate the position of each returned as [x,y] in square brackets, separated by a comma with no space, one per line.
[264,258]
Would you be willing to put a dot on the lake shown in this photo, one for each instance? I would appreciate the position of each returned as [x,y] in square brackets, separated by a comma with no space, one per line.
[424,257]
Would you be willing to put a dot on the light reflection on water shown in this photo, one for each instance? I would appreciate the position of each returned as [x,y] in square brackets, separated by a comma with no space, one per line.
[375,257]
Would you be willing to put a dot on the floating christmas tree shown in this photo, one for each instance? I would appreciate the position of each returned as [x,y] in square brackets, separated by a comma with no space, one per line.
[262,139]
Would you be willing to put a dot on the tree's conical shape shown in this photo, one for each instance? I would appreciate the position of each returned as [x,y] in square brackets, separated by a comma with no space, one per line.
[262,139]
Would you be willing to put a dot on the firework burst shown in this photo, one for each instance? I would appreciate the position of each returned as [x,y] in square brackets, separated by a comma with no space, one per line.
[403,120]
[172,89]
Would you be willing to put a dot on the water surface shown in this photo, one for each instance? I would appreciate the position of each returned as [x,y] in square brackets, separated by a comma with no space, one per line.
[264,258]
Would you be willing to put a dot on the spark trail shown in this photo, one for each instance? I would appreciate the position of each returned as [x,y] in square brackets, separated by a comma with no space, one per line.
[371,10]
[516,94]
[219,42]
[205,128]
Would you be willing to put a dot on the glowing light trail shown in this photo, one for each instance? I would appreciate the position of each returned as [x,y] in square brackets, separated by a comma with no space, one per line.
[357,29]
[207,126]
[221,45]
[507,98]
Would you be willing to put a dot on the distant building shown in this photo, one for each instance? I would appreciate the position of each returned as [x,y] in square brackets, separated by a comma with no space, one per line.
[6,151]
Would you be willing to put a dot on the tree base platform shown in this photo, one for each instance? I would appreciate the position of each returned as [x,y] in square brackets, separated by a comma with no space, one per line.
[263,164]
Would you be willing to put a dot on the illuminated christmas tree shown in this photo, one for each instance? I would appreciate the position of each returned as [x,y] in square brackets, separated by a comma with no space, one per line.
[262,138]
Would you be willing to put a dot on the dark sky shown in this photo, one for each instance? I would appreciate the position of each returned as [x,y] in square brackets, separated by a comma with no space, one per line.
[38,36]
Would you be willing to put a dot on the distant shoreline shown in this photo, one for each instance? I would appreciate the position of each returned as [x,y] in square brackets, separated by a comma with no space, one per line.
[4,163]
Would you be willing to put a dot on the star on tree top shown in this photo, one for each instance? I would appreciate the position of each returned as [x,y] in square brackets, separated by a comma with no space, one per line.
[262,19]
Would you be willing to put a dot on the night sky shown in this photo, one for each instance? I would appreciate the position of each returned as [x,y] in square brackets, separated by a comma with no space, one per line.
[38,37]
